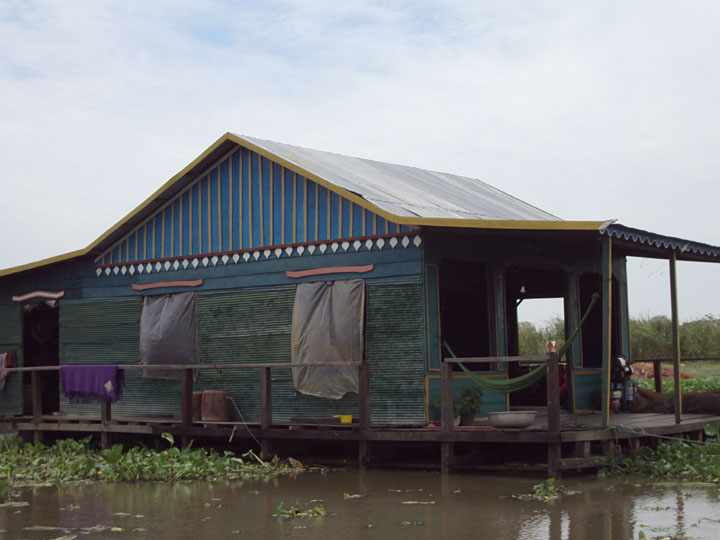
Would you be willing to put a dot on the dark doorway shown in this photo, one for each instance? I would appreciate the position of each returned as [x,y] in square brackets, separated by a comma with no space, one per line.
[464,310]
[41,348]
[525,284]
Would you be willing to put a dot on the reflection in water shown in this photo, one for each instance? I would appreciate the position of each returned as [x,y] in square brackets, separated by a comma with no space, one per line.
[394,504]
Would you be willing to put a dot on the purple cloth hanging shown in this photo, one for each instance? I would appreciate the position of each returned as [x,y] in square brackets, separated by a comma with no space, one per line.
[103,383]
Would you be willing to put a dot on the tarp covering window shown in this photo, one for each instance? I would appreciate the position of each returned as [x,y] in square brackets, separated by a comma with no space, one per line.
[327,326]
[168,333]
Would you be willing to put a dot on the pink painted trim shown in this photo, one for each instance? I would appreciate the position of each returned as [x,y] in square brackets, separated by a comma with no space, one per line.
[330,270]
[193,283]
[39,294]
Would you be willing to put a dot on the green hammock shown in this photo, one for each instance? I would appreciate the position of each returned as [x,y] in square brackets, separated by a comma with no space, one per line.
[506,386]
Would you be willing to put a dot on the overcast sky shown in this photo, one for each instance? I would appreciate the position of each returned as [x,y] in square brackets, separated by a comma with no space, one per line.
[589,110]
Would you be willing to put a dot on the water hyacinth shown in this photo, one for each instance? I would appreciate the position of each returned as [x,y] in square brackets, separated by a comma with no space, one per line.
[673,460]
[72,460]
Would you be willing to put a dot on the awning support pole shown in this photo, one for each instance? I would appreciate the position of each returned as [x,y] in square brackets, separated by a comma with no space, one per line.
[677,394]
[606,326]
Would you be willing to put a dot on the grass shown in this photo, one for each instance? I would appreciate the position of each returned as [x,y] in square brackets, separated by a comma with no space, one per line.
[702,368]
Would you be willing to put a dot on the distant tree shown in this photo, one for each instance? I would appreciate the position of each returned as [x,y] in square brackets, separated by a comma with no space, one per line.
[532,340]
[700,338]
[650,337]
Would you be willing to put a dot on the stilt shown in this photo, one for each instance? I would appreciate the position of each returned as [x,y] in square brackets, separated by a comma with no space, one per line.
[363,453]
[582,449]
[447,456]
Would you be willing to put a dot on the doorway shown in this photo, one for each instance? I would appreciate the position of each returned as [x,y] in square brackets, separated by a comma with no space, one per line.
[40,325]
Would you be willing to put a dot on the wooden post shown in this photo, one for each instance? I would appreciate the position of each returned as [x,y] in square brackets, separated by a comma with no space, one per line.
[554,448]
[363,412]
[105,417]
[36,391]
[657,375]
[446,416]
[265,410]
[36,396]
[186,399]
[446,397]
[582,449]
[677,394]
[606,327]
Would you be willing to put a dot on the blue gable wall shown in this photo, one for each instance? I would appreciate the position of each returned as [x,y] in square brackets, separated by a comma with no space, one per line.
[244,202]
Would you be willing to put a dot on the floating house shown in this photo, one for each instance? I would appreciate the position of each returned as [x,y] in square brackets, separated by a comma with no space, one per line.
[272,253]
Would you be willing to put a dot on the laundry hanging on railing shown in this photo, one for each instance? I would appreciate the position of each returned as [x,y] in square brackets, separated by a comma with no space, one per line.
[88,383]
[7,360]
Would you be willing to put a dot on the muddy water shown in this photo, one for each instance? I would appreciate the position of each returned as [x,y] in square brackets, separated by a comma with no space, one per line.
[396,505]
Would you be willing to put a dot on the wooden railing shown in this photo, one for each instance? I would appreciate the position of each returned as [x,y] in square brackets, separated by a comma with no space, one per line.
[553,401]
[186,411]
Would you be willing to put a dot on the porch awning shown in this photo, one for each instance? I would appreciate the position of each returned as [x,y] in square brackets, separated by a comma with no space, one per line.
[639,243]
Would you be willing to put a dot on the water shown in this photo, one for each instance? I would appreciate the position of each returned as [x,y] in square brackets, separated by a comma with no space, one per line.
[394,504]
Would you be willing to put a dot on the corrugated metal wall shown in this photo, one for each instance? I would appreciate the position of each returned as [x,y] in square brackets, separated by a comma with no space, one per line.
[108,332]
[254,325]
[11,339]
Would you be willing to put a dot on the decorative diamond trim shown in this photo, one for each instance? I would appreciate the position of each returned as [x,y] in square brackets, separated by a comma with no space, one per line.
[309,250]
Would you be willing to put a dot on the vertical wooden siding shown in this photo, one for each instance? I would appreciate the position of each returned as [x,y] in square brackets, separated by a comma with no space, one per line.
[245,201]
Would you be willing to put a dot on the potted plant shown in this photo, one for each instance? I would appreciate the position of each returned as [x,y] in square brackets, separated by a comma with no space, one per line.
[468,404]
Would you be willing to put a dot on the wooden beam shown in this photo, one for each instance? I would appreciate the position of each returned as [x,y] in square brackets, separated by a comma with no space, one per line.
[677,394]
[257,365]
[492,359]
[606,326]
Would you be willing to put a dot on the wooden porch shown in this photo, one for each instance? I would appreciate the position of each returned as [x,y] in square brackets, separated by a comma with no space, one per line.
[561,441]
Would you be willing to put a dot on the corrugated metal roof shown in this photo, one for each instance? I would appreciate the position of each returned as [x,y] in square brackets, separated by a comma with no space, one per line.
[685,249]
[408,191]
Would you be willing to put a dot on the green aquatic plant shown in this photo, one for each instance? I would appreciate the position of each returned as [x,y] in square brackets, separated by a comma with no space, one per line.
[548,491]
[296,510]
[672,460]
[71,460]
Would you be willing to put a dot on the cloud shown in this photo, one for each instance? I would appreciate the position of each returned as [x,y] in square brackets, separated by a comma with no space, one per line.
[592,111]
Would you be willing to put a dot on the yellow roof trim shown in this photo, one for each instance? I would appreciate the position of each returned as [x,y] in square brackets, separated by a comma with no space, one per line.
[159,191]
[44,262]
[360,201]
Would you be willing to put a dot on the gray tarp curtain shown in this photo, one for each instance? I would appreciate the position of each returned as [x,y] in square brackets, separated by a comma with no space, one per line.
[168,333]
[327,326]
